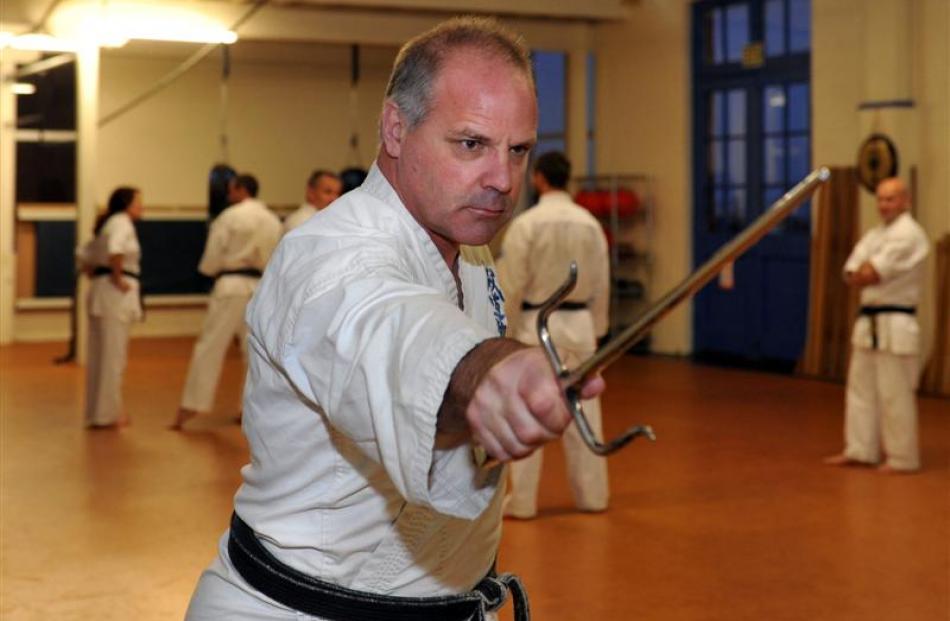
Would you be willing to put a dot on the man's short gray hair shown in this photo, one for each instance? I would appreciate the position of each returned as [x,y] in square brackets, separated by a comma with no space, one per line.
[420,59]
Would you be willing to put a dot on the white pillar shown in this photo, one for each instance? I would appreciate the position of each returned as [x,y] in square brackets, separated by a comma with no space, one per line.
[576,121]
[7,197]
[87,141]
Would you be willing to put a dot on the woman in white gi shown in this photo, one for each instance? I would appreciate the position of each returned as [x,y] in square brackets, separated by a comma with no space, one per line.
[887,265]
[112,259]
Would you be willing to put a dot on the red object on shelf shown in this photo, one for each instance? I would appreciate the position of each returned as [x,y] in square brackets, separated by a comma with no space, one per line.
[599,202]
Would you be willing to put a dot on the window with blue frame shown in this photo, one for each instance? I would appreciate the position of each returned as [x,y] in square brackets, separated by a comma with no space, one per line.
[752,75]
[550,75]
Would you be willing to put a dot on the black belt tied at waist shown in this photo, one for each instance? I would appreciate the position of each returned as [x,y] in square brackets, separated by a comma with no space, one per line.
[244,271]
[871,312]
[569,306]
[102,270]
[313,596]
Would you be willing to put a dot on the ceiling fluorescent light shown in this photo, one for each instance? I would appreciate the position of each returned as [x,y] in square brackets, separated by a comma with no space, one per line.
[122,21]
[23,88]
[42,43]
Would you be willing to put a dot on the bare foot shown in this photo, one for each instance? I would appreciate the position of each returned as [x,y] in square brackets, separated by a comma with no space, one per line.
[842,460]
[181,417]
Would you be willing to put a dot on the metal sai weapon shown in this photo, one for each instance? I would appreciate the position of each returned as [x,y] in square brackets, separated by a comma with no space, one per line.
[572,379]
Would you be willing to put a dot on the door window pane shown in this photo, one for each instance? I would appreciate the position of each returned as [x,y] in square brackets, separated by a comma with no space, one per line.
[736,164]
[773,113]
[737,112]
[799,20]
[715,114]
[717,162]
[737,31]
[713,37]
[798,107]
[798,158]
[774,27]
[774,153]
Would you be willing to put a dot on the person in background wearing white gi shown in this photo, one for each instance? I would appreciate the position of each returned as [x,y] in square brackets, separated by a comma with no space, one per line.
[240,242]
[113,260]
[881,407]
[535,257]
[323,187]
[379,377]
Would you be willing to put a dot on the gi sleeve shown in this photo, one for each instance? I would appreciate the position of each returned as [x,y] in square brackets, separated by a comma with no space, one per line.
[600,304]
[513,269]
[857,257]
[376,352]
[898,255]
[212,259]
[120,236]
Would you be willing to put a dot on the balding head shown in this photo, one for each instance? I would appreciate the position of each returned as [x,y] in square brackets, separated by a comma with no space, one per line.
[893,199]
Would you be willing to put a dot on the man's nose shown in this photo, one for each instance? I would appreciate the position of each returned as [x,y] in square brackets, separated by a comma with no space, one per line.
[498,174]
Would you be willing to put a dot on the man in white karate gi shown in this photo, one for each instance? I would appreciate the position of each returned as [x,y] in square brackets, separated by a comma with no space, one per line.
[323,187]
[379,377]
[535,257]
[881,407]
[240,242]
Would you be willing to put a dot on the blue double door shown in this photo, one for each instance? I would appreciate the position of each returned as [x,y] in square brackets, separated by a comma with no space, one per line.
[751,143]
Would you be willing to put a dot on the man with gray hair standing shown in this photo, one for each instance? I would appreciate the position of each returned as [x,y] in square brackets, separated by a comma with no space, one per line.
[323,187]
[380,381]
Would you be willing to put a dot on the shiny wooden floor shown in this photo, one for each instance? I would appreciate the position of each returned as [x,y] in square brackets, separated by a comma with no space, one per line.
[728,516]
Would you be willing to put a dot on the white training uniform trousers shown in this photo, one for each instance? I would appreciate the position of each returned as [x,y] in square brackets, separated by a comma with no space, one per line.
[881,406]
[243,236]
[223,322]
[536,253]
[111,313]
[355,331]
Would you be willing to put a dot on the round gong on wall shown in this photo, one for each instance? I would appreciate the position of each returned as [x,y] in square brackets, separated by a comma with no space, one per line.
[877,159]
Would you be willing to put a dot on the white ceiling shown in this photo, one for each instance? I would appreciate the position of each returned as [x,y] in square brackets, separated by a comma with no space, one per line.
[20,14]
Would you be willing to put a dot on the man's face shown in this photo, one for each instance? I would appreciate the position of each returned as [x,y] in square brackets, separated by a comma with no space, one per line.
[892,199]
[459,172]
[324,191]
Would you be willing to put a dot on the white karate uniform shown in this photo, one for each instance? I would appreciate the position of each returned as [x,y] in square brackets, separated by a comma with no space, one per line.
[535,257]
[242,236]
[111,312]
[299,216]
[881,406]
[354,333]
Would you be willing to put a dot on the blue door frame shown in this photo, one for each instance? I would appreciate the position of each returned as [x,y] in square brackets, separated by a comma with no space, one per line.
[762,321]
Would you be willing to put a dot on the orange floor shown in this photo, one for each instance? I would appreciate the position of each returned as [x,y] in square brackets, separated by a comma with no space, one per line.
[728,516]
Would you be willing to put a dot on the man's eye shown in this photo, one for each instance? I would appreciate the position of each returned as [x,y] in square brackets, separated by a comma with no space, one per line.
[469,144]
[520,149]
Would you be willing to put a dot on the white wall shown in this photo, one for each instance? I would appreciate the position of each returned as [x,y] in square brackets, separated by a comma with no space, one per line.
[288,112]
[874,50]
[643,126]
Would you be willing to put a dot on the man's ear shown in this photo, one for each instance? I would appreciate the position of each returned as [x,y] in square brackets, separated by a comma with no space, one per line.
[393,129]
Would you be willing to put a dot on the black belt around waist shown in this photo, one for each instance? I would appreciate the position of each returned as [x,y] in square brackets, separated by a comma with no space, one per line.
[244,271]
[570,306]
[871,312]
[313,596]
[102,270]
